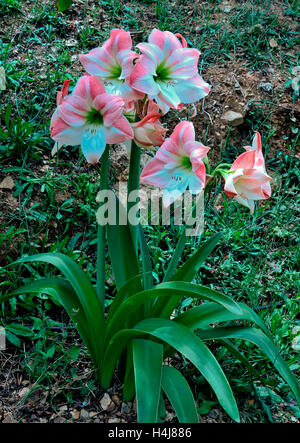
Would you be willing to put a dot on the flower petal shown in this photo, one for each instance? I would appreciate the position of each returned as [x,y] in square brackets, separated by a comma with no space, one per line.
[141,80]
[192,90]
[111,107]
[74,110]
[98,62]
[88,87]
[184,63]
[93,145]
[244,161]
[120,131]
[165,40]
[118,41]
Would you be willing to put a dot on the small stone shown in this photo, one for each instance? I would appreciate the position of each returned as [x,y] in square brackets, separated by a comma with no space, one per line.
[273,43]
[105,402]
[266,86]
[114,420]
[214,413]
[125,408]
[7,183]
[23,392]
[84,414]
[93,414]
[227,9]
[234,118]
[9,419]
[74,58]
[75,414]
[71,42]
[63,409]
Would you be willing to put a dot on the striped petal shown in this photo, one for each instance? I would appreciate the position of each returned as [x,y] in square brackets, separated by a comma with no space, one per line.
[192,90]
[184,63]
[74,110]
[111,107]
[165,40]
[143,81]
[120,131]
[88,87]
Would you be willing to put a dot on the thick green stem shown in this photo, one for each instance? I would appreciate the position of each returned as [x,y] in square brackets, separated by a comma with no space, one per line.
[133,185]
[101,239]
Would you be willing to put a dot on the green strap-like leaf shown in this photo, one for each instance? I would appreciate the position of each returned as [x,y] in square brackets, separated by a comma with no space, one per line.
[176,256]
[192,265]
[184,341]
[207,313]
[187,272]
[131,287]
[264,343]
[180,395]
[123,316]
[84,291]
[147,360]
[121,249]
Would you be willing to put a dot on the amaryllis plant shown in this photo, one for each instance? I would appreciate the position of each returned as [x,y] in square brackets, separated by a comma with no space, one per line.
[121,99]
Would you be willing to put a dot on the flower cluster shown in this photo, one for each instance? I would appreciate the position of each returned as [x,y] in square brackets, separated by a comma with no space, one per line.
[123,96]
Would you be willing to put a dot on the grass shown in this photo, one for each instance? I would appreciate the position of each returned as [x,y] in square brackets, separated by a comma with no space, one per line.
[54,198]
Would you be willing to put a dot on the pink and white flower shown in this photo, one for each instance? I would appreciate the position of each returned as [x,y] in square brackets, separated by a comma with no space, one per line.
[89,117]
[178,164]
[168,71]
[113,63]
[247,179]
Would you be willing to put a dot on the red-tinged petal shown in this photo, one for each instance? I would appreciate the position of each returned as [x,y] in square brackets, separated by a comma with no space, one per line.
[152,107]
[169,153]
[74,110]
[142,81]
[200,171]
[245,160]
[63,93]
[65,134]
[184,63]
[259,161]
[229,187]
[169,94]
[266,189]
[118,41]
[196,150]
[125,59]
[165,40]
[111,107]
[183,40]
[152,53]
[155,174]
[88,87]
[183,133]
[192,90]
[98,62]
[256,143]
[152,117]
[120,131]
